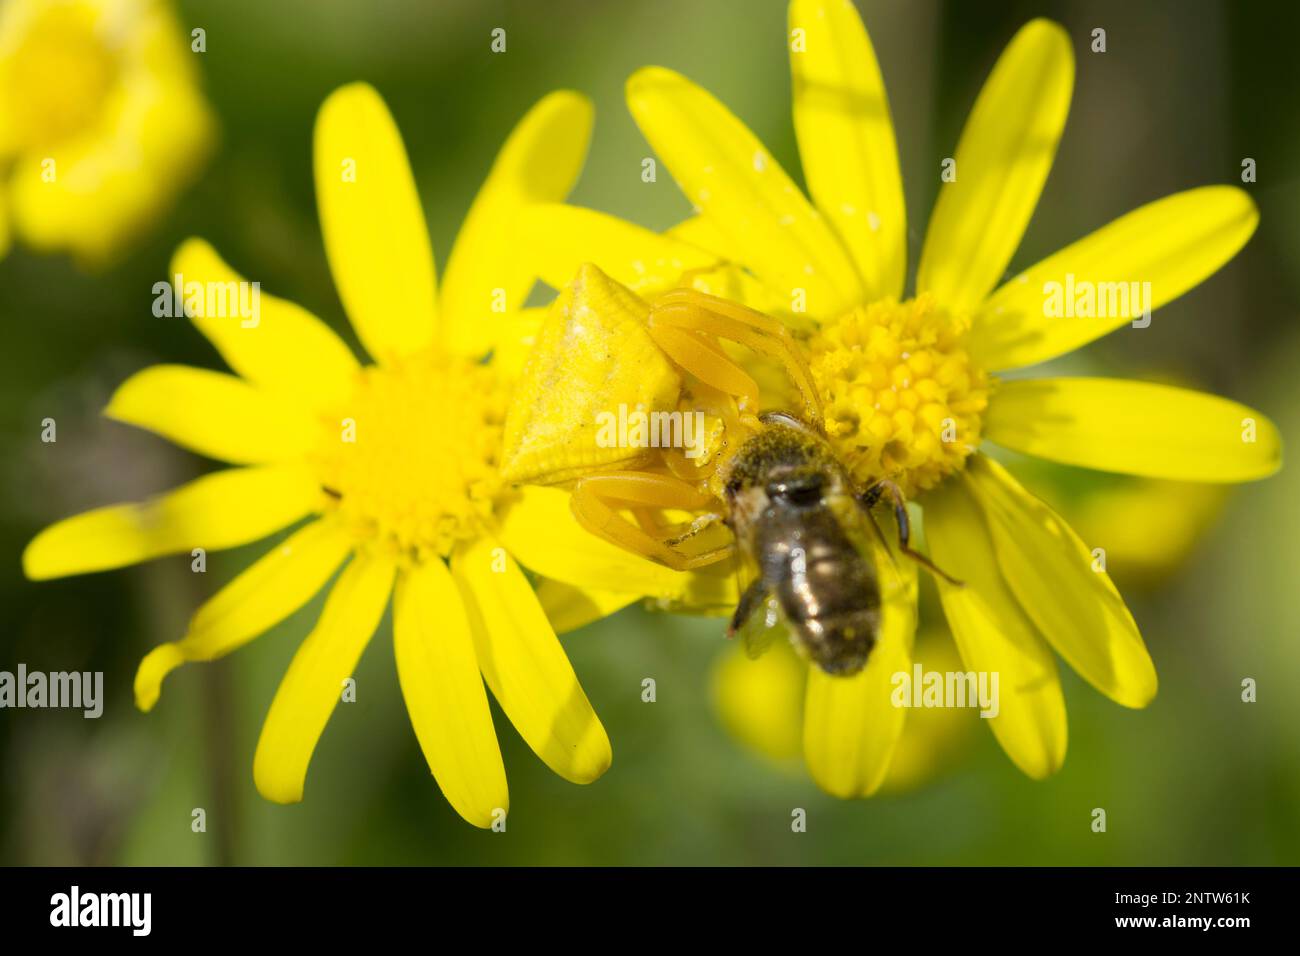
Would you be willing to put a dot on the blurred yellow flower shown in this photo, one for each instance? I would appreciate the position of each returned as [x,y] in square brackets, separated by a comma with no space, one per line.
[101,122]
[394,465]
[760,700]
[907,384]
[1150,527]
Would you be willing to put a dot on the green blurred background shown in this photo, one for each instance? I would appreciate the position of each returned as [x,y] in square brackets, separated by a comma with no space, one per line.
[1184,93]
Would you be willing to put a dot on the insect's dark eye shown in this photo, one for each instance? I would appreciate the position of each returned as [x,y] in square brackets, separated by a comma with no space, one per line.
[802,491]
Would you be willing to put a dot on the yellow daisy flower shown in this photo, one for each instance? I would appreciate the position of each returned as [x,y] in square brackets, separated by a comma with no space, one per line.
[908,385]
[101,122]
[393,464]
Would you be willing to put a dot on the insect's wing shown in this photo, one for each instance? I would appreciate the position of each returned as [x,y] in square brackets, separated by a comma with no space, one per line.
[763,623]
[763,628]
[593,363]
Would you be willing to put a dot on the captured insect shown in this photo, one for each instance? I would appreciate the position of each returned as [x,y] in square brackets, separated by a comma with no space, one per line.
[766,486]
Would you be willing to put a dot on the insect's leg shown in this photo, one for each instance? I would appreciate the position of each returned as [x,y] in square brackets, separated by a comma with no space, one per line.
[752,598]
[872,495]
[598,499]
[869,497]
[697,527]
[687,309]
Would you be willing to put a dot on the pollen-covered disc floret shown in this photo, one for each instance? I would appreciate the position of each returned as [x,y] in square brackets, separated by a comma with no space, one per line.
[411,463]
[901,397]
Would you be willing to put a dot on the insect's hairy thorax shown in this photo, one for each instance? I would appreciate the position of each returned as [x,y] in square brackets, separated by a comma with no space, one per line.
[788,453]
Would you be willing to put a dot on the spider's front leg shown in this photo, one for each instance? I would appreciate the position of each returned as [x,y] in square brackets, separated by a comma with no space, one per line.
[598,501]
[683,321]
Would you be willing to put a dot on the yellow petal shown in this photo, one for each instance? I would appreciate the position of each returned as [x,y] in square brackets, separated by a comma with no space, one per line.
[287,349]
[272,588]
[539,163]
[562,238]
[846,141]
[711,591]
[1166,247]
[373,225]
[516,336]
[734,181]
[702,232]
[540,530]
[850,725]
[1054,577]
[935,740]
[444,693]
[568,607]
[760,700]
[993,634]
[730,281]
[1137,428]
[1002,161]
[221,510]
[692,254]
[214,414]
[524,664]
[314,682]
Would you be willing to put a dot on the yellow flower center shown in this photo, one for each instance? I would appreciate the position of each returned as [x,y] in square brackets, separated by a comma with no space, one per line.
[411,463]
[901,397]
[56,71]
